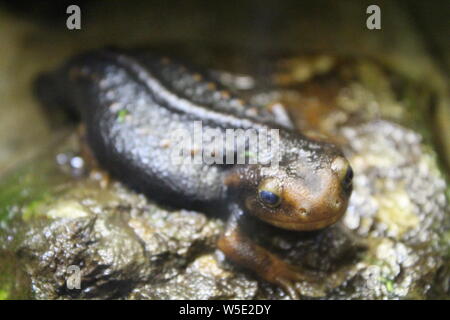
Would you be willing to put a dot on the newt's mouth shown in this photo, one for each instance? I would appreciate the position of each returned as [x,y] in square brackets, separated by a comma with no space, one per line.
[311,225]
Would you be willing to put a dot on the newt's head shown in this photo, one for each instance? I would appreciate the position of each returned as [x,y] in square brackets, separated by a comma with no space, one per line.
[305,192]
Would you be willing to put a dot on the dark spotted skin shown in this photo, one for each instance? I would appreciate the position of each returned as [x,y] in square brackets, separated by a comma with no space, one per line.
[131,102]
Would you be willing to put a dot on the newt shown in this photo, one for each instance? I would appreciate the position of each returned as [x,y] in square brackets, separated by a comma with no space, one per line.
[131,101]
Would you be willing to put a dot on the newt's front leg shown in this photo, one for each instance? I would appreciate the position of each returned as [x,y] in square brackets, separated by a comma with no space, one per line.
[242,250]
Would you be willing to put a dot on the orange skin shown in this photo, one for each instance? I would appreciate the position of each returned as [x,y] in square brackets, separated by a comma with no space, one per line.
[311,199]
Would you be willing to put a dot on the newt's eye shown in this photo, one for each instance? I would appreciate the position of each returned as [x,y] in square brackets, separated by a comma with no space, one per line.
[344,171]
[269,192]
